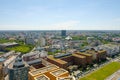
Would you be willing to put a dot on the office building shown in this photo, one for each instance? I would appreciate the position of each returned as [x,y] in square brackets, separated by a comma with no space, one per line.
[111,49]
[19,70]
[58,62]
[44,70]
[51,72]
[68,59]
[88,57]
[29,41]
[7,45]
[42,41]
[63,33]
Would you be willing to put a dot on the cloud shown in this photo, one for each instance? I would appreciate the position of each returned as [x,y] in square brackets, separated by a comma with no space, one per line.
[68,25]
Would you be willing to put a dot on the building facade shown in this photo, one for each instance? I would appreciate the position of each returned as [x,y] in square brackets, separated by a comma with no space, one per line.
[19,71]
[1,72]
[63,33]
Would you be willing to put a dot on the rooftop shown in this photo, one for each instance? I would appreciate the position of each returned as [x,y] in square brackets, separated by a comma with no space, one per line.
[62,55]
[8,53]
[18,63]
[8,44]
[57,60]
[108,46]
[59,72]
[41,77]
[80,56]
[36,61]
[32,53]
[85,54]
[2,59]
[43,70]
[12,58]
[101,51]
[90,51]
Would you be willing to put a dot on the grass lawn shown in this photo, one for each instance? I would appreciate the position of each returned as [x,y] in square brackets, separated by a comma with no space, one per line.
[21,48]
[103,72]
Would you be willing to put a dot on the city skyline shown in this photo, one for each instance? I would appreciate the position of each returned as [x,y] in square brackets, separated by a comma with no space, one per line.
[59,15]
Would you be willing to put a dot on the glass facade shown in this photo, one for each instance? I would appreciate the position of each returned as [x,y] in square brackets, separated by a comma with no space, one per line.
[18,73]
[63,33]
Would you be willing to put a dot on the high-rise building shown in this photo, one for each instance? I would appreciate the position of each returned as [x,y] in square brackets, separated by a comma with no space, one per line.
[29,41]
[42,41]
[63,33]
[19,70]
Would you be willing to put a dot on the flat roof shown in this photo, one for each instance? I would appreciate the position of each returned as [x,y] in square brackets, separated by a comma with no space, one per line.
[90,51]
[41,77]
[8,61]
[32,68]
[31,54]
[8,53]
[85,54]
[77,55]
[2,59]
[36,61]
[57,60]
[62,55]
[43,70]
[101,51]
[59,72]
[8,44]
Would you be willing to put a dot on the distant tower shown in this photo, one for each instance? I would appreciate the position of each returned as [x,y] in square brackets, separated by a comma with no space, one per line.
[19,71]
[29,40]
[63,33]
[41,41]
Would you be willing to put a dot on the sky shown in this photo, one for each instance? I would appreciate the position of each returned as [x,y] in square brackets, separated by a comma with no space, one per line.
[59,14]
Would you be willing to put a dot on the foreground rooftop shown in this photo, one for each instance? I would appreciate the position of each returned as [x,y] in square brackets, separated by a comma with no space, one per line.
[41,77]
[43,70]
[59,72]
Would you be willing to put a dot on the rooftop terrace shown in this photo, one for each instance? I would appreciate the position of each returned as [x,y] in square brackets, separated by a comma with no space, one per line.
[80,56]
[41,77]
[57,60]
[43,70]
[59,72]
[85,54]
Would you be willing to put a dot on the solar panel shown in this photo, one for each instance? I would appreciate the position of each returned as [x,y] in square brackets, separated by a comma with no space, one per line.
[62,55]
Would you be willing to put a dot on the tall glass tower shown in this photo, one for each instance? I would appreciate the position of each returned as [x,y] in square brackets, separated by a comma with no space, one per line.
[63,33]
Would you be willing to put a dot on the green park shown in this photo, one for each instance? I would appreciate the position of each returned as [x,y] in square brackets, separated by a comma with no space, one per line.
[103,72]
[23,48]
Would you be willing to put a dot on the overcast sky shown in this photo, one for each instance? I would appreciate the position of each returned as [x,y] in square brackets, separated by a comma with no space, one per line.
[59,14]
